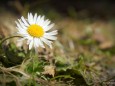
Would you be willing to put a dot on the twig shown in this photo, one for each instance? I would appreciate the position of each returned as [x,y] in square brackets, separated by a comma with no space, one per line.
[7,39]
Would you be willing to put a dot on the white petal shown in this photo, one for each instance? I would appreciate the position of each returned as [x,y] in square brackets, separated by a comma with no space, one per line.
[46,23]
[52,33]
[48,42]
[30,18]
[35,18]
[38,19]
[50,37]
[35,43]
[41,21]
[25,22]
[22,32]
[22,24]
[41,43]
[49,27]
[20,29]
[31,45]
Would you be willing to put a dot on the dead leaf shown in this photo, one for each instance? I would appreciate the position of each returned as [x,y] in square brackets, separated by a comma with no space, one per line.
[105,45]
[49,69]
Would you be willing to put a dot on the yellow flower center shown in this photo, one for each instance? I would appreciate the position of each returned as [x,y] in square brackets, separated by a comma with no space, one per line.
[35,30]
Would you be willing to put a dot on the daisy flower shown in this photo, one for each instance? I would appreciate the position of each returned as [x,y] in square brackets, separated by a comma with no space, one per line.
[36,30]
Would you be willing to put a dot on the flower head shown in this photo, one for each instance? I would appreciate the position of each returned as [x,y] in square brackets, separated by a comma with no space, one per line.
[36,30]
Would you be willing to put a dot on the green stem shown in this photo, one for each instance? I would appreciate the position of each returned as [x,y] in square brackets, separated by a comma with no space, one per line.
[33,68]
[7,39]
